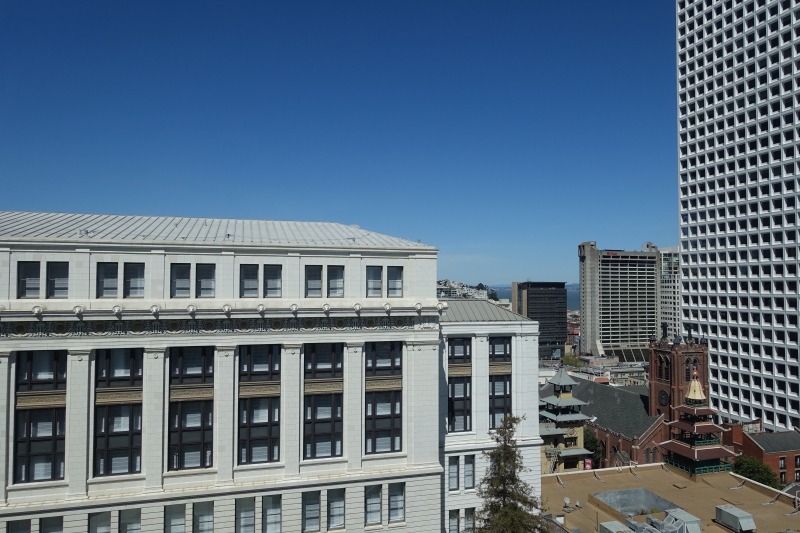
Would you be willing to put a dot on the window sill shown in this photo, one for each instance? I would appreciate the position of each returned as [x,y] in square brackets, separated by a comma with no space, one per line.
[38,485]
[190,472]
[324,460]
[384,455]
[100,480]
[259,466]
[399,523]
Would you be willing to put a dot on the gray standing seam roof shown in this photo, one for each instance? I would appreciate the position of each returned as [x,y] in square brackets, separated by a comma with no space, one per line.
[783,441]
[154,229]
[468,310]
[619,410]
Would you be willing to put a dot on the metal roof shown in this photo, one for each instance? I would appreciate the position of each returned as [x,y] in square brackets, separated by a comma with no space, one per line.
[783,441]
[561,378]
[469,310]
[19,225]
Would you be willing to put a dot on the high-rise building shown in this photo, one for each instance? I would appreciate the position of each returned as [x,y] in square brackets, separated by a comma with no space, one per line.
[188,374]
[546,303]
[738,110]
[669,286]
[619,301]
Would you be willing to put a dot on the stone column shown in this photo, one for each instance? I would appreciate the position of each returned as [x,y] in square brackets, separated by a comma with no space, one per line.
[480,386]
[6,433]
[353,401]
[78,432]
[224,413]
[155,409]
[292,397]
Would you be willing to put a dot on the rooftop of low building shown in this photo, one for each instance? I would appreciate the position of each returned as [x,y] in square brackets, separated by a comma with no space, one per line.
[469,310]
[778,442]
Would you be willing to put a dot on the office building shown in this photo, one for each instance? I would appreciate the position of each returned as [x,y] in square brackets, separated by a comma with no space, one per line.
[189,374]
[738,102]
[546,303]
[669,285]
[619,301]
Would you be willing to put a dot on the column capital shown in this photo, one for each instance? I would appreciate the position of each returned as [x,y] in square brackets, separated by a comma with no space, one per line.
[5,354]
[224,351]
[292,348]
[422,345]
[153,353]
[355,346]
[80,354]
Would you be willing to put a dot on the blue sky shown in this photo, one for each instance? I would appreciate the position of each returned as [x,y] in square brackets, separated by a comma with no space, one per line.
[503,133]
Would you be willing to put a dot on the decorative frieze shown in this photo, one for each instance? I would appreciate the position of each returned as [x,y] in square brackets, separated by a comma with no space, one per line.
[118,395]
[499,368]
[259,388]
[324,386]
[40,399]
[167,327]
[384,383]
[459,370]
[179,393]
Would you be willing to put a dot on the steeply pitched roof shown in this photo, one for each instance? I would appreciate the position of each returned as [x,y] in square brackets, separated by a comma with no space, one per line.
[468,310]
[561,378]
[617,409]
[784,441]
[19,225]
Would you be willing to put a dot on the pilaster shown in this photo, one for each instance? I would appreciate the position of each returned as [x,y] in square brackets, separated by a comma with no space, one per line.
[224,413]
[480,385]
[77,418]
[292,407]
[154,394]
[353,402]
[424,383]
[6,401]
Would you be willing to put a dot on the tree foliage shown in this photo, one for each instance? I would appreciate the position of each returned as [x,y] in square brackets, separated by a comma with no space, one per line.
[752,468]
[509,505]
[493,296]
[591,443]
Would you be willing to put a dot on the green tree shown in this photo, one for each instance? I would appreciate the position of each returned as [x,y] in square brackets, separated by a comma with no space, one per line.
[571,360]
[509,505]
[752,468]
[591,443]
[493,296]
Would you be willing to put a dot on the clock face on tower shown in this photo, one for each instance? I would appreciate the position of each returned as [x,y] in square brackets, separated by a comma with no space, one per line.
[663,397]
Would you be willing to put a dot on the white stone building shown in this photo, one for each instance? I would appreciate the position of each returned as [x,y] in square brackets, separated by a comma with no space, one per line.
[176,374]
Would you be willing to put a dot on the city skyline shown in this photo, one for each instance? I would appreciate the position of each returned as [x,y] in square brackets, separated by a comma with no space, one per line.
[425,121]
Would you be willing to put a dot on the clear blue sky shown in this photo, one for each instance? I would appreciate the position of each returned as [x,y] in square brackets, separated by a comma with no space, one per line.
[503,133]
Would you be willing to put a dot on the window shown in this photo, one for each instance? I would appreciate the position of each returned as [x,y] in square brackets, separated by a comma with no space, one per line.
[783,478]
[42,370]
[205,284]
[107,280]
[459,351]
[384,358]
[203,517]
[53,524]
[323,360]
[383,425]
[452,473]
[191,436]
[175,519]
[57,279]
[119,367]
[193,364]
[500,349]
[469,520]
[248,281]
[118,440]
[336,509]
[313,281]
[453,525]
[311,511]
[133,280]
[259,430]
[322,436]
[180,280]
[18,526]
[335,281]
[28,279]
[374,281]
[394,282]
[39,450]
[397,502]
[469,471]
[130,521]
[372,504]
[271,512]
[100,523]
[499,399]
[260,362]
[782,462]
[272,281]
[459,416]
[245,515]
[797,461]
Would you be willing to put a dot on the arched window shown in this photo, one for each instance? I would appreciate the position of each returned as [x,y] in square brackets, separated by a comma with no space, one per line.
[667,370]
[660,367]
[647,456]
[688,369]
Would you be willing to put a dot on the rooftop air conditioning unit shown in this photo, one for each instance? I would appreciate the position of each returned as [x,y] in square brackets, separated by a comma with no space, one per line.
[735,519]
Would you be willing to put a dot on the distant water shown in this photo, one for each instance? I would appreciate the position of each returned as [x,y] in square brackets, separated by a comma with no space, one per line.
[573,298]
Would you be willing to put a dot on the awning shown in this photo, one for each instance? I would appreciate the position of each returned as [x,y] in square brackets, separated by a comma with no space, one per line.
[702,453]
[572,452]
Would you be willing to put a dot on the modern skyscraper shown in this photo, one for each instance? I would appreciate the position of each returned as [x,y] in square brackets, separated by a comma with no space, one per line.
[738,107]
[619,301]
[545,302]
